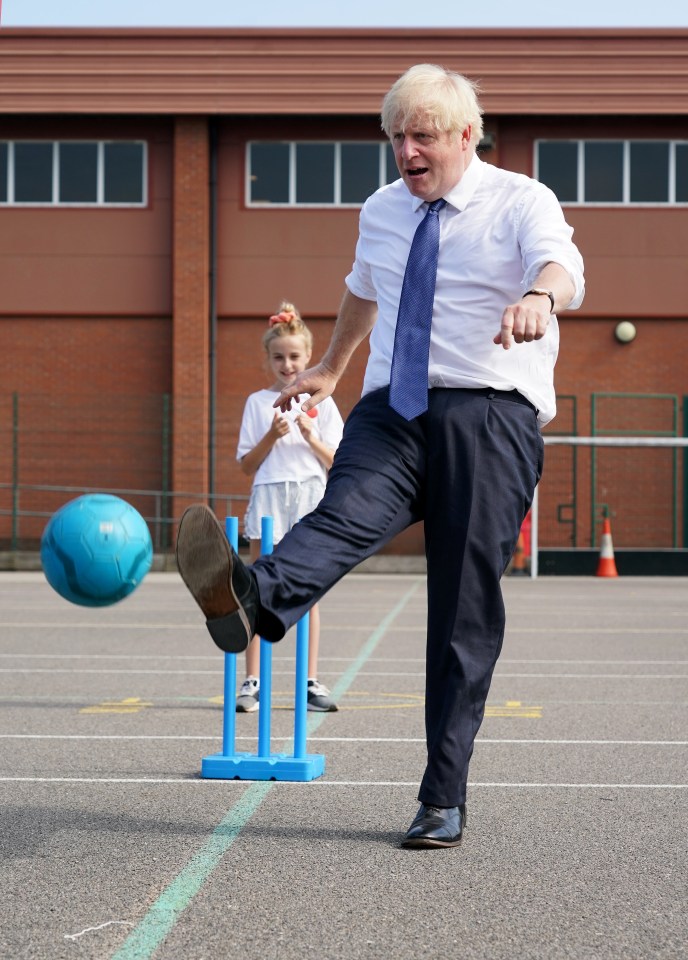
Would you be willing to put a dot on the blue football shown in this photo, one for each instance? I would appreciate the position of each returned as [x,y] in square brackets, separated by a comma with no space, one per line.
[96,550]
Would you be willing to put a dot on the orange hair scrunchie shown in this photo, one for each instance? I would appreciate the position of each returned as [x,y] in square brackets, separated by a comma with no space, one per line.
[283,317]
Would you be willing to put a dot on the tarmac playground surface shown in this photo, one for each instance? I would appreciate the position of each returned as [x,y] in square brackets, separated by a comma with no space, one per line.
[114,847]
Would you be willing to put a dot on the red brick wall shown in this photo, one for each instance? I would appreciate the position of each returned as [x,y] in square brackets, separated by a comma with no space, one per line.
[93,345]
[190,338]
[89,410]
[70,261]
[643,489]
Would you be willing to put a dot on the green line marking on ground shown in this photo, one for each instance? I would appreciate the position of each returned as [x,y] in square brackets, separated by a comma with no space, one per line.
[161,918]
[166,910]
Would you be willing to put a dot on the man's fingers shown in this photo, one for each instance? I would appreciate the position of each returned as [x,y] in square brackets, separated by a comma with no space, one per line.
[506,332]
[315,385]
[521,324]
[284,401]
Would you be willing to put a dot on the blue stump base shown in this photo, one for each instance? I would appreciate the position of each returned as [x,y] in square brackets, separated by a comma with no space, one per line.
[248,766]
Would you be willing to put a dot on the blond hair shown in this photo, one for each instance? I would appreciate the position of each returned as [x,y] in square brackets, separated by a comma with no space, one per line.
[287,322]
[448,100]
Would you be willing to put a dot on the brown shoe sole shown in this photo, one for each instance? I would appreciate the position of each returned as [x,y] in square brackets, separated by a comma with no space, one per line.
[204,561]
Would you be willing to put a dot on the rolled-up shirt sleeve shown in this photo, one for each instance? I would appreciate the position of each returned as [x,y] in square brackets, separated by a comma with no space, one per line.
[545,237]
[359,281]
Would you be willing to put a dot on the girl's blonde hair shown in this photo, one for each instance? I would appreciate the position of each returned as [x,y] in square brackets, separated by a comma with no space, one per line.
[287,322]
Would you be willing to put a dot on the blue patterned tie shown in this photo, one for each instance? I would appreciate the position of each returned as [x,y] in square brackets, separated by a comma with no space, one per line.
[408,384]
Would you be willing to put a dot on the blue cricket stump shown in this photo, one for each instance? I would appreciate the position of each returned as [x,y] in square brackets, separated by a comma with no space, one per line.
[264,765]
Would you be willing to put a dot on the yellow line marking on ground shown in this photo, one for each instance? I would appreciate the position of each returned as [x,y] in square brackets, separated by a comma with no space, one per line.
[510,709]
[128,705]
[514,709]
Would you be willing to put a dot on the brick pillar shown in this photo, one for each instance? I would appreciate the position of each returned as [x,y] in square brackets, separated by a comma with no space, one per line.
[190,308]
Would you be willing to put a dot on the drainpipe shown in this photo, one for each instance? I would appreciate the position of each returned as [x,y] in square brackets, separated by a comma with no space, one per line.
[212,299]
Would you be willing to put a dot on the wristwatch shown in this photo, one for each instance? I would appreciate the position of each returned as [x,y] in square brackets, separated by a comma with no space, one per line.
[541,292]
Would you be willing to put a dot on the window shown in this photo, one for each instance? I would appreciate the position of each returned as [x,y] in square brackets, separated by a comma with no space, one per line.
[614,171]
[310,173]
[649,171]
[73,172]
[123,173]
[558,168]
[603,172]
[3,173]
[315,177]
[78,172]
[33,172]
[682,173]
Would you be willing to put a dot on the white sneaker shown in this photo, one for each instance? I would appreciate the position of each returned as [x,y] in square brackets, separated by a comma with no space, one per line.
[249,695]
[319,698]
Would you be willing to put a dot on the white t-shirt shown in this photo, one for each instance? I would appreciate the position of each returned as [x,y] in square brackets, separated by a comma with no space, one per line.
[496,233]
[291,458]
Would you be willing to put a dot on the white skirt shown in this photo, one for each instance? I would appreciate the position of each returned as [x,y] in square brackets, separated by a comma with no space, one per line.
[286,502]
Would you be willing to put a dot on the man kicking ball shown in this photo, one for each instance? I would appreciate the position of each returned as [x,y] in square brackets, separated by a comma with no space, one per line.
[460,269]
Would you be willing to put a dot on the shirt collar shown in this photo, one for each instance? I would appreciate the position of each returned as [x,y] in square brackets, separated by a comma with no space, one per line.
[461,193]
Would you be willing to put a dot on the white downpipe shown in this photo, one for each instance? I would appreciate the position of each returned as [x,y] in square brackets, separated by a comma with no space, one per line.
[534,536]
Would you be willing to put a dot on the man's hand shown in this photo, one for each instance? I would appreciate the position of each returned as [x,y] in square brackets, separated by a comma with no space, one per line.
[318,382]
[524,321]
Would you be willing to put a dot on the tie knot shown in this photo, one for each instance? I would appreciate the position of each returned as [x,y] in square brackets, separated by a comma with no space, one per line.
[437,205]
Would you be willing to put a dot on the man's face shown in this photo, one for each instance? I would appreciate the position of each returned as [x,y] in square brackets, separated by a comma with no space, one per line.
[430,161]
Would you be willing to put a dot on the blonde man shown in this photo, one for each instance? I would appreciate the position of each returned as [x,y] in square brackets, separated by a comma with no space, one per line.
[460,269]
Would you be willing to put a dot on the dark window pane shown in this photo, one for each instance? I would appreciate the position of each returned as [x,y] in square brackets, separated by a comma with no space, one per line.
[603,172]
[78,172]
[558,168]
[269,172]
[649,172]
[682,172]
[33,172]
[123,173]
[392,169]
[315,173]
[360,174]
[3,173]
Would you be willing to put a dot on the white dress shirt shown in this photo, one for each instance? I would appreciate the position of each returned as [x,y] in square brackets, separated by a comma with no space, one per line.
[497,232]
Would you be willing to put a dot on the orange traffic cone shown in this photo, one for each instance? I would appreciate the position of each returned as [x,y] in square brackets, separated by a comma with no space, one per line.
[606,566]
[518,564]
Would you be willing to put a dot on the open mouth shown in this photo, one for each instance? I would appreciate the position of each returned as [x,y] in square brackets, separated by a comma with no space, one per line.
[416,171]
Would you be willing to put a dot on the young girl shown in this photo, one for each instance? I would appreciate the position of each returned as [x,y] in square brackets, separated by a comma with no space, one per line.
[288,456]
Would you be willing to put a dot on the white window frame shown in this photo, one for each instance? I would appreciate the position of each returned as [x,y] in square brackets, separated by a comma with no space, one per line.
[626,172]
[100,201]
[337,167]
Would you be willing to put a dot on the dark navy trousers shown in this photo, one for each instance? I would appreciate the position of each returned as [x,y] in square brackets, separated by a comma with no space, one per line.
[467,468]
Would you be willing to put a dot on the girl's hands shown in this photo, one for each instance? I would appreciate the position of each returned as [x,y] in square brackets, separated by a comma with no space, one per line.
[305,425]
[279,427]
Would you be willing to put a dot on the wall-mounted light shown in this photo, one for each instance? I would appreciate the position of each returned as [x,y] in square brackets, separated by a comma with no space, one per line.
[625,331]
[488,142]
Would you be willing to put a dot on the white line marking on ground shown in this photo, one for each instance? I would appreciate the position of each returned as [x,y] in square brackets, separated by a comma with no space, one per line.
[347,783]
[280,658]
[650,631]
[104,671]
[184,737]
[100,625]
[498,675]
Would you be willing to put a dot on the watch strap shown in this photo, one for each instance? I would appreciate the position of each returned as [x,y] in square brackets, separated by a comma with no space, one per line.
[541,292]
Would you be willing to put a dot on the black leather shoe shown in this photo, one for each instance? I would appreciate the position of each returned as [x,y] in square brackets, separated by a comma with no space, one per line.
[218,580]
[436,827]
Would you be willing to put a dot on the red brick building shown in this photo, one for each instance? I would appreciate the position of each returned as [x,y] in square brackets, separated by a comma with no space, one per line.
[162,190]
